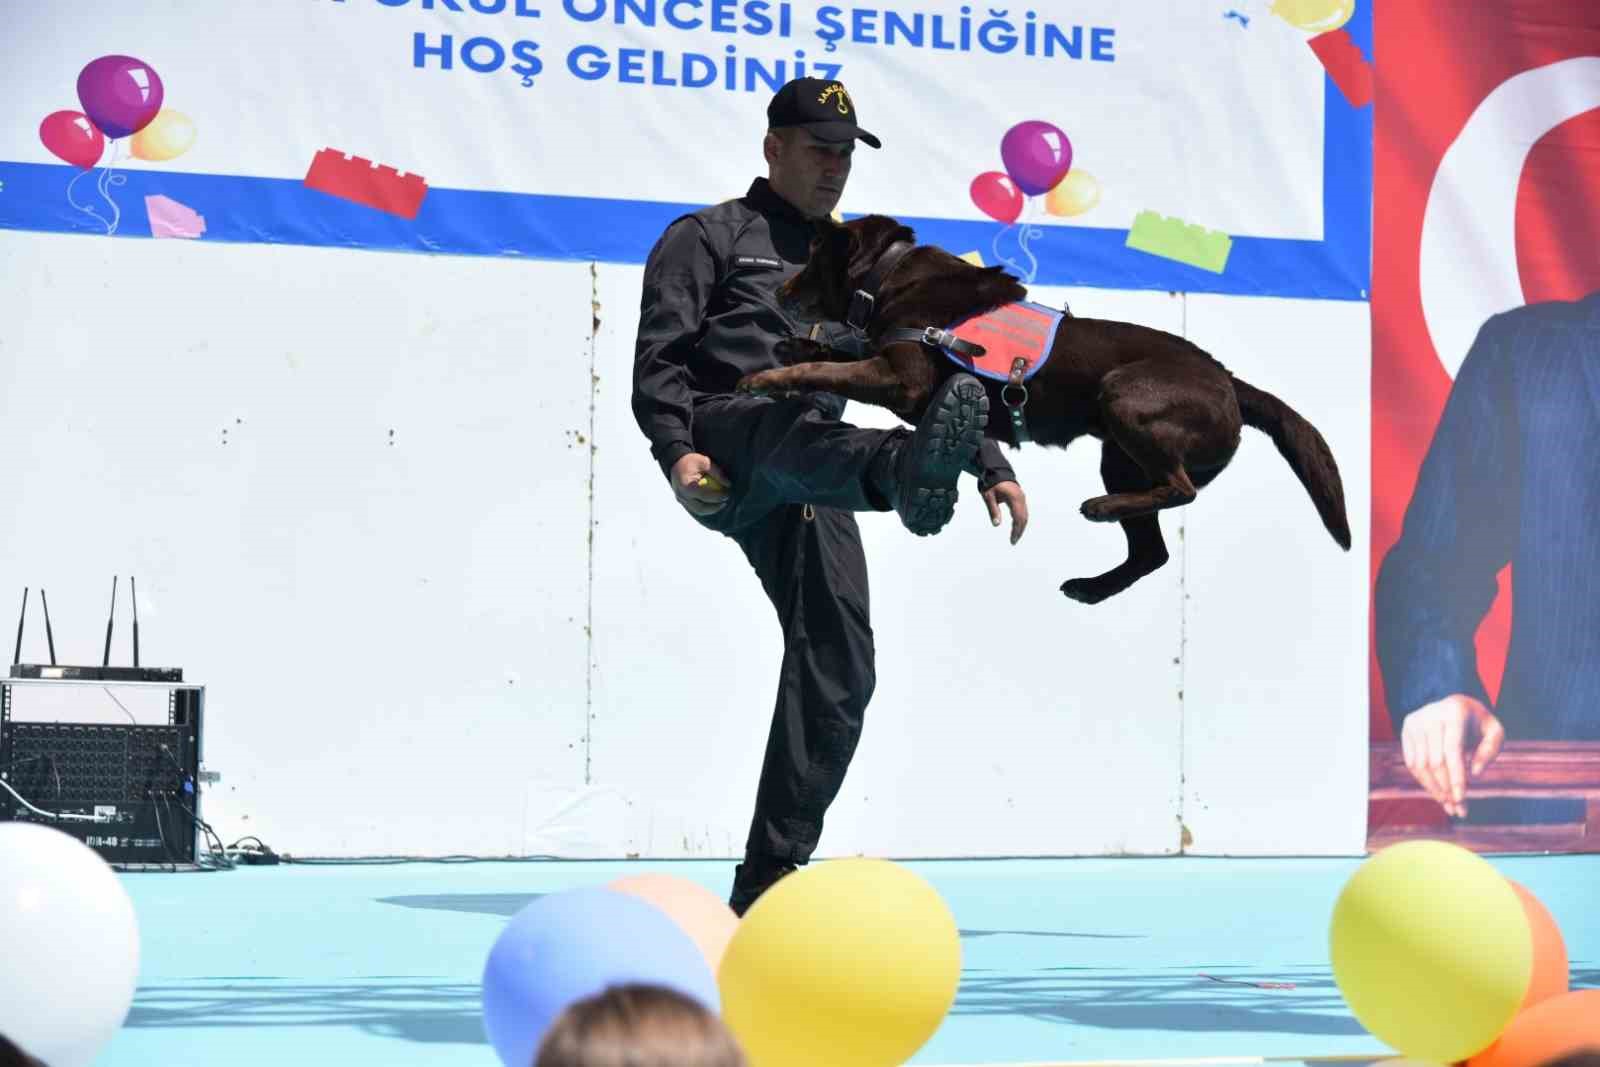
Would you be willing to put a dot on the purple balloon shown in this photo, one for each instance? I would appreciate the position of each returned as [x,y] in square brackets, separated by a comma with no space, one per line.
[120,94]
[1037,155]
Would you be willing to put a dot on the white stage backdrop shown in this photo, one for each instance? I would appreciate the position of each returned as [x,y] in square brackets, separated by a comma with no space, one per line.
[323,331]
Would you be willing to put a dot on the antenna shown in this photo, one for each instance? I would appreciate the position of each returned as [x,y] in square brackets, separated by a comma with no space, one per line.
[49,635]
[16,657]
[105,660]
[134,589]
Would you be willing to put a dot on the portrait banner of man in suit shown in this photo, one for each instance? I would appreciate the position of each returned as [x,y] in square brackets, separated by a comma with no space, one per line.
[1485,666]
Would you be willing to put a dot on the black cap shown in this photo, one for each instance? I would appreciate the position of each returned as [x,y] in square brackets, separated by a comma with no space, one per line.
[821,108]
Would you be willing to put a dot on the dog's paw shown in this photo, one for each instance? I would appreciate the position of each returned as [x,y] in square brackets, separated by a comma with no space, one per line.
[1083,590]
[792,350]
[766,383]
[1098,510]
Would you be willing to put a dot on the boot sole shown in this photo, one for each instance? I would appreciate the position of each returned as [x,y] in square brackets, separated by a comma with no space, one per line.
[945,446]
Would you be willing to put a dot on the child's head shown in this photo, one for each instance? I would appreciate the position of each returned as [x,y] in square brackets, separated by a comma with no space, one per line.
[12,1056]
[1584,1057]
[638,1026]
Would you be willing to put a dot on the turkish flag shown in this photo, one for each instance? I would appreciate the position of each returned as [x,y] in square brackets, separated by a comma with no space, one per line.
[1486,196]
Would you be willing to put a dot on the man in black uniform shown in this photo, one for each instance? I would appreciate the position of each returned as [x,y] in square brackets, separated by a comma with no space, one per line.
[783,476]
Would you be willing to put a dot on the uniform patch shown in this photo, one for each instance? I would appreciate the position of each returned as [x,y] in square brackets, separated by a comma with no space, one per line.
[756,261]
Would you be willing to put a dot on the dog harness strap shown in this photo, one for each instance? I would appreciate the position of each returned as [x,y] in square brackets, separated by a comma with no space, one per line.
[1014,392]
[864,299]
[1019,422]
[934,337]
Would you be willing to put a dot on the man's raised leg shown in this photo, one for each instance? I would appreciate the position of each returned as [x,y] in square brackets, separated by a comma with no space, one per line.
[784,451]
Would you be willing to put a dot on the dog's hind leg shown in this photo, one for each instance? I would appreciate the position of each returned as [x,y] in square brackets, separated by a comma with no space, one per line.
[1147,550]
[1165,416]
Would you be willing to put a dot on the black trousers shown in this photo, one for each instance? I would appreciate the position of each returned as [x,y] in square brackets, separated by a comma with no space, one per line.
[798,476]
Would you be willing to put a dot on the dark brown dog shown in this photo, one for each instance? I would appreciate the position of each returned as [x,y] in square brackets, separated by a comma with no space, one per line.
[1167,414]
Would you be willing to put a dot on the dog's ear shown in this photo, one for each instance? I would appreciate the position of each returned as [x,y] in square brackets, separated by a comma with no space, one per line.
[832,244]
[874,234]
[880,231]
[828,232]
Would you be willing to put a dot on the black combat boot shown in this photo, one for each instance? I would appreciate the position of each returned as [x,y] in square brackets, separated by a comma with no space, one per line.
[917,472]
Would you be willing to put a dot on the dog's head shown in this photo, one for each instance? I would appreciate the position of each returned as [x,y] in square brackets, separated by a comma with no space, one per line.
[842,255]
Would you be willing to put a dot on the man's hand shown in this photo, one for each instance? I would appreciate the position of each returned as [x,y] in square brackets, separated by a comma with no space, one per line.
[1011,495]
[1435,739]
[699,484]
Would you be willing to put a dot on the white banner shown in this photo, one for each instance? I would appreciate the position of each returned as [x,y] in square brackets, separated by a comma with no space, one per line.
[1189,132]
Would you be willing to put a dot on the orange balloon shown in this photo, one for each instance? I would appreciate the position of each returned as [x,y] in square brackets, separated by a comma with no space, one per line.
[700,913]
[1551,973]
[1549,1030]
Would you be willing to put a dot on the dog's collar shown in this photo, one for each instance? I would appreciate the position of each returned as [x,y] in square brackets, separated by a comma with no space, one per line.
[864,300]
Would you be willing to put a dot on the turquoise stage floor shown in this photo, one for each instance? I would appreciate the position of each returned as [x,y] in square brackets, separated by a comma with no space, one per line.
[1064,960]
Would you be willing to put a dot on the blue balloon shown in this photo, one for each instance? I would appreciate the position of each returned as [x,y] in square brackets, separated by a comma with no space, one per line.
[567,946]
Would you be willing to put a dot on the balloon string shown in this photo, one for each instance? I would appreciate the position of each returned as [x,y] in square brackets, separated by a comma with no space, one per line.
[1025,233]
[108,178]
[91,212]
[102,186]
[994,246]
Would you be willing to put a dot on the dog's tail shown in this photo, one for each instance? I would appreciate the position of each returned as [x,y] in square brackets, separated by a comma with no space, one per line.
[1308,454]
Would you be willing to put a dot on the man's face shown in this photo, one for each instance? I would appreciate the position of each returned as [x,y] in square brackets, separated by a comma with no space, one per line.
[808,173]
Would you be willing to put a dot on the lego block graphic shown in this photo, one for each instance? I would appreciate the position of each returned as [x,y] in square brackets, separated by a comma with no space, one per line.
[1175,239]
[168,218]
[1345,64]
[363,182]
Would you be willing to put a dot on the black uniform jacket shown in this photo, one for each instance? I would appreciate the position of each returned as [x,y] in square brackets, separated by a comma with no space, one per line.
[709,316]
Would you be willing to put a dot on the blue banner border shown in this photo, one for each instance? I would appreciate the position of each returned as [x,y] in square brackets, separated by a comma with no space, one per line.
[468,222]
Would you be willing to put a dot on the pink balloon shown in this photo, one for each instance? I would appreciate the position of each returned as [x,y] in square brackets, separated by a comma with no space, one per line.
[70,136]
[700,913]
[997,196]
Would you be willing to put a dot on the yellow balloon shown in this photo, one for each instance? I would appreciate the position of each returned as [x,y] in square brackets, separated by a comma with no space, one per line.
[169,135]
[1317,16]
[849,963]
[1432,950]
[1073,195]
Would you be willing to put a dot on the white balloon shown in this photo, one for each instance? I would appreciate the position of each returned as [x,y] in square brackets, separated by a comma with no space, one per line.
[69,946]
